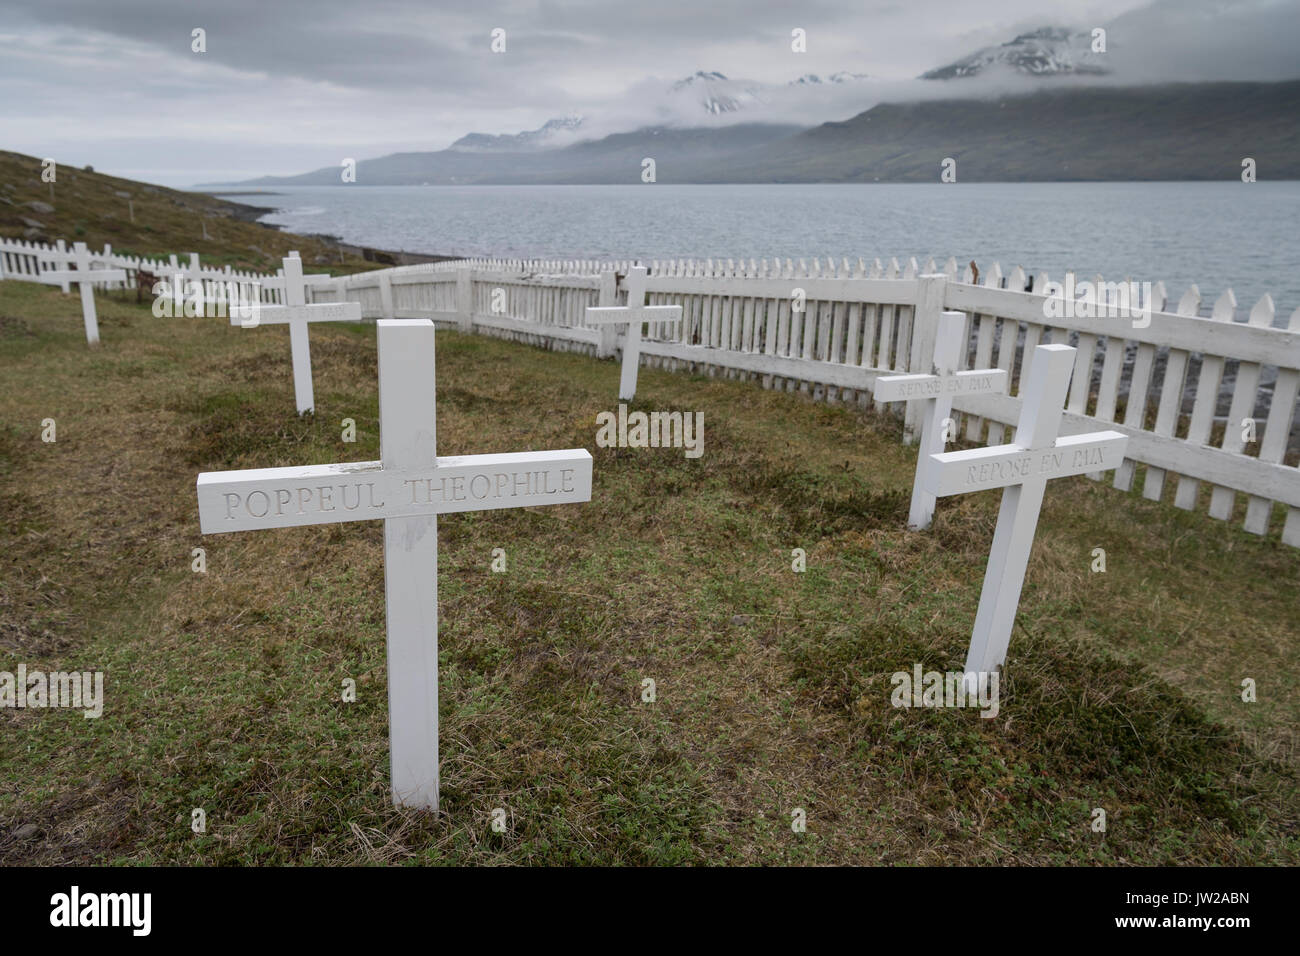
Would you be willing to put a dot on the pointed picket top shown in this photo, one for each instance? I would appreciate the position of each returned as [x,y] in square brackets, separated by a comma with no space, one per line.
[1016,281]
[1190,303]
[892,269]
[1098,287]
[1041,281]
[860,269]
[968,274]
[930,266]
[1159,297]
[950,268]
[909,271]
[1262,313]
[1225,307]
[993,278]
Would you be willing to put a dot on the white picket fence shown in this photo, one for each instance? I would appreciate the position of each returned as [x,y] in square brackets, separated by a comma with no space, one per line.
[1162,385]
[26,260]
[1165,385]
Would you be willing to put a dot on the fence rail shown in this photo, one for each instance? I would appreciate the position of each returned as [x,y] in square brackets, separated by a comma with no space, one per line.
[20,259]
[1209,403]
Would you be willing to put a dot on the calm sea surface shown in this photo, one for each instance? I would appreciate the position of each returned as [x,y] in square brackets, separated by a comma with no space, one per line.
[1218,235]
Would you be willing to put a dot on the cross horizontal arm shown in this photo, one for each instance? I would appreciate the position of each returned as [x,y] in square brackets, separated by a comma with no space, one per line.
[622,315]
[957,472]
[284,314]
[362,491]
[898,388]
[76,275]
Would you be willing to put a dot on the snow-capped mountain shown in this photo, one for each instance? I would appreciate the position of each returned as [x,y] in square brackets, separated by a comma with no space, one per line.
[716,93]
[843,76]
[1048,51]
[550,135]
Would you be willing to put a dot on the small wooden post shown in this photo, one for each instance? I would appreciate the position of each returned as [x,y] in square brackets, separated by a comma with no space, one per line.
[465,299]
[607,297]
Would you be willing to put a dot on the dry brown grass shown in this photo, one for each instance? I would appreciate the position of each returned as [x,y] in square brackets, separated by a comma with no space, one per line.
[773,687]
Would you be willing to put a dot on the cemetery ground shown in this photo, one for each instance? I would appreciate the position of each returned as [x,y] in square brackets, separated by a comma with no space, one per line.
[223,690]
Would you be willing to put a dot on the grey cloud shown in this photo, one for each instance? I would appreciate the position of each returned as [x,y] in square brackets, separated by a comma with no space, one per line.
[297,81]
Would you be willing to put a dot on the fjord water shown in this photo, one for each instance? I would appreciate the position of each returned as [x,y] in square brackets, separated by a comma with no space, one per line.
[1219,235]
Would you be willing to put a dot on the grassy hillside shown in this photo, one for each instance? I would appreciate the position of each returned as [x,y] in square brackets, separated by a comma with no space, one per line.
[773,690]
[93,208]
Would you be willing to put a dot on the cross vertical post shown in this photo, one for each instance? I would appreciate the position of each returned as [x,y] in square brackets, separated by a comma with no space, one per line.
[407,437]
[632,315]
[295,295]
[935,391]
[89,318]
[296,313]
[85,279]
[407,488]
[1022,470]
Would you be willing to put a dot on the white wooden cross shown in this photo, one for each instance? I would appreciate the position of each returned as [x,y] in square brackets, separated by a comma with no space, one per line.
[297,314]
[316,280]
[1022,469]
[58,257]
[85,278]
[408,488]
[632,315]
[937,391]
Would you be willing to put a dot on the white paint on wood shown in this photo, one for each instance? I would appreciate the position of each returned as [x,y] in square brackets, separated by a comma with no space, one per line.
[934,393]
[297,314]
[408,488]
[1022,470]
[85,278]
[633,315]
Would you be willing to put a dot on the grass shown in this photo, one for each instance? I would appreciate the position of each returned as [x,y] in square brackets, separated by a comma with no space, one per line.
[223,689]
[96,209]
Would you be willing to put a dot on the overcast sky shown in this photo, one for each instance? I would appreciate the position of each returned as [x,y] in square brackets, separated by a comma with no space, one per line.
[288,86]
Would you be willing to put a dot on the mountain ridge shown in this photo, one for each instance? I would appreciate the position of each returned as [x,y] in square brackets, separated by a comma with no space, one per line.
[1169,131]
